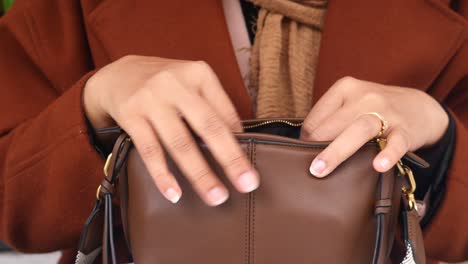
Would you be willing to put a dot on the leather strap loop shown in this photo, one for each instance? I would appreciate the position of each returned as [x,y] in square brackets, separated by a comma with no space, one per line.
[105,188]
[383,206]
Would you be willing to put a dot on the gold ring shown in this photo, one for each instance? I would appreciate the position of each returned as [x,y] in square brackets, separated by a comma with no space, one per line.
[383,123]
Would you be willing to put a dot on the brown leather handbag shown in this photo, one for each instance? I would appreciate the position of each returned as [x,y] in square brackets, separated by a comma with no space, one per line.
[350,216]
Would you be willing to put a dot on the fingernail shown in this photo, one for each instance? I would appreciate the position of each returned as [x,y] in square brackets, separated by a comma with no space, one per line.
[248,181]
[384,162]
[217,196]
[172,195]
[317,167]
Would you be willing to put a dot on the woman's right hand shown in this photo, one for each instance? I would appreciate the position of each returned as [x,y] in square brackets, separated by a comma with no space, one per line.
[148,97]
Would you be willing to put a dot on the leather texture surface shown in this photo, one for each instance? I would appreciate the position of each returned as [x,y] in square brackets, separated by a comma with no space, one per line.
[292,218]
[289,213]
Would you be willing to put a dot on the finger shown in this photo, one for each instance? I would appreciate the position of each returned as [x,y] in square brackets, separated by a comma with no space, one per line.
[210,88]
[333,126]
[346,144]
[397,146]
[325,107]
[183,149]
[219,139]
[150,150]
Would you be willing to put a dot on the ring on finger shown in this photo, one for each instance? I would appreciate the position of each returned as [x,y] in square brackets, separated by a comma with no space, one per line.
[383,123]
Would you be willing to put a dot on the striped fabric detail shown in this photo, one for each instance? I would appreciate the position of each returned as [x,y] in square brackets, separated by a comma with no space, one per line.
[409,257]
[82,258]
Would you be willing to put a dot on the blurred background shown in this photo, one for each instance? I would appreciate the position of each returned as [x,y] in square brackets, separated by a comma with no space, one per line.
[5,5]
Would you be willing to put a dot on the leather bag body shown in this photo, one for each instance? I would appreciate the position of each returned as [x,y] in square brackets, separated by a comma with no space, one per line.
[348,217]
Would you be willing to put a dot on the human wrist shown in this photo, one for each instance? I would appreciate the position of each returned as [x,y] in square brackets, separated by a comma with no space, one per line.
[92,105]
[441,122]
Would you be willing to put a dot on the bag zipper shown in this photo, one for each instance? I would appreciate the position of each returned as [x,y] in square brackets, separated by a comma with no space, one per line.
[268,122]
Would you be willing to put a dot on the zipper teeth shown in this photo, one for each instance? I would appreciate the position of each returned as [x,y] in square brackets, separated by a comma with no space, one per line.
[264,123]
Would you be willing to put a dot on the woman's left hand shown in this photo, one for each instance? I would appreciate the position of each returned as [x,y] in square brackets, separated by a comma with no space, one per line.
[342,116]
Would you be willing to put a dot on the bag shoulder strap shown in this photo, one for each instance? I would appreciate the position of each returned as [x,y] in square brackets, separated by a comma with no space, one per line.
[97,234]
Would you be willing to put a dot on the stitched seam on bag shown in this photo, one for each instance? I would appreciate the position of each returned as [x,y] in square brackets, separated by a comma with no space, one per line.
[247,218]
[253,228]
[246,228]
[295,145]
[287,145]
[411,238]
[253,206]
[389,214]
[410,230]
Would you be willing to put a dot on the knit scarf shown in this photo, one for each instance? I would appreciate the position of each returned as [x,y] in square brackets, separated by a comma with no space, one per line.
[284,56]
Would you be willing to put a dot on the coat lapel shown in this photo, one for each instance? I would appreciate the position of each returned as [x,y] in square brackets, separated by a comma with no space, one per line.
[186,30]
[399,42]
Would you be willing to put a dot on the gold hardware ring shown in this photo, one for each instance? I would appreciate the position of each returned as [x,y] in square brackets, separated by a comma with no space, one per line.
[106,172]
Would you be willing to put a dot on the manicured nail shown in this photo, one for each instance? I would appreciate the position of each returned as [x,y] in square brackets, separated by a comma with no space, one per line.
[217,196]
[172,195]
[384,163]
[317,167]
[248,181]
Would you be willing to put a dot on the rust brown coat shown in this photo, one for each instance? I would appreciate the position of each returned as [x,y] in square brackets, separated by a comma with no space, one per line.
[48,169]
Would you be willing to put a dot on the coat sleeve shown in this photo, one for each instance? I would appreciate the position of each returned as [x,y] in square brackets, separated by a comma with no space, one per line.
[446,236]
[48,168]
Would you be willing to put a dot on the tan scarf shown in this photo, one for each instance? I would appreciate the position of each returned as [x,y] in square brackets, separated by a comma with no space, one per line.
[284,56]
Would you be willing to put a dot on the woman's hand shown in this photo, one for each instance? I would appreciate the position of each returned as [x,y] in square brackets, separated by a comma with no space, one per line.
[148,97]
[415,120]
